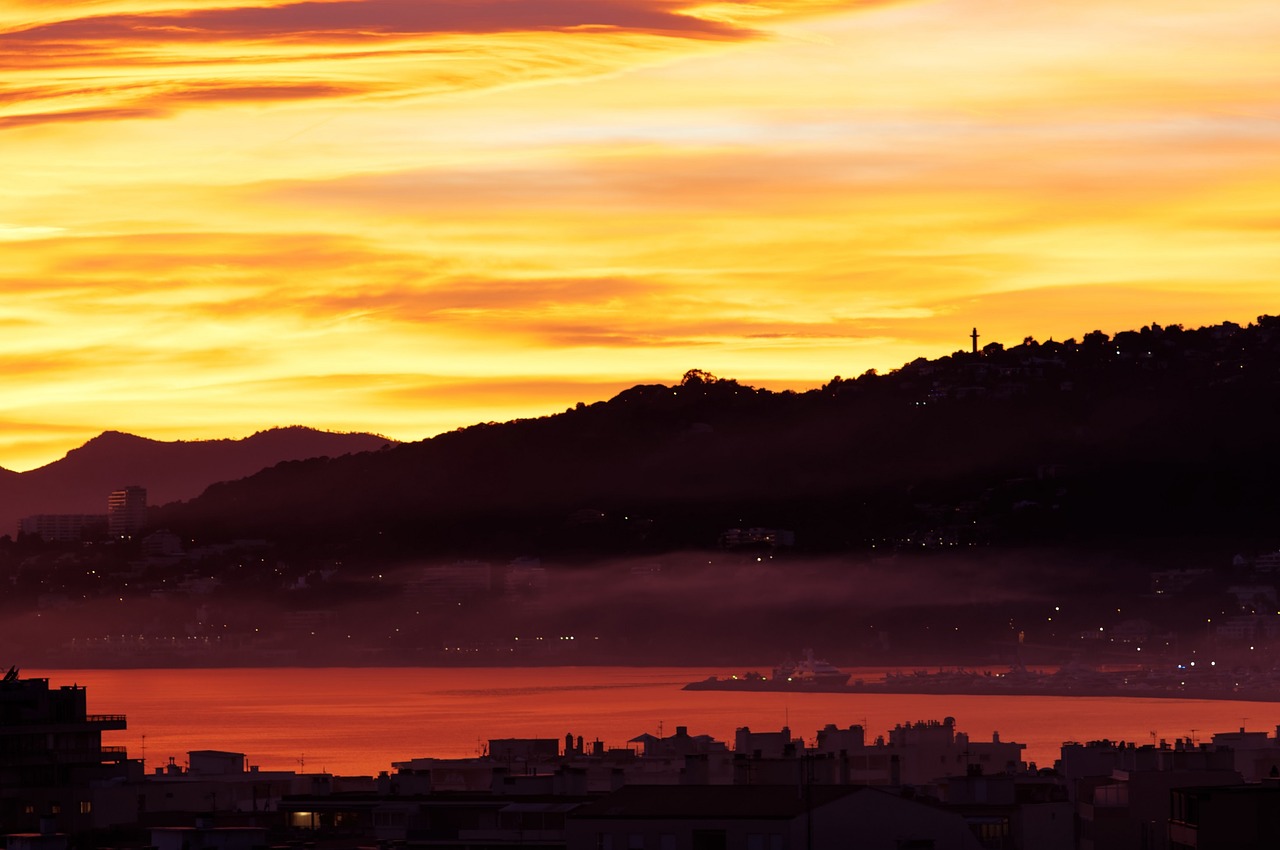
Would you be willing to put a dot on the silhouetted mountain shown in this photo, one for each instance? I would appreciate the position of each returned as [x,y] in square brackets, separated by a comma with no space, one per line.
[80,481]
[1162,434]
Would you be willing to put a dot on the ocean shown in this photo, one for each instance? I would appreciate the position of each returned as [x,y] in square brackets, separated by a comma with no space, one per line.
[357,721]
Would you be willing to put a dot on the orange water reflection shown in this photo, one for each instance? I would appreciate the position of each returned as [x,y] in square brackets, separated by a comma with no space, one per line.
[358,721]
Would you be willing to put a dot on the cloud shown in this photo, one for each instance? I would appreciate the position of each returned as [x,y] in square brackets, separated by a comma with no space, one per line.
[796,584]
[256,200]
[137,64]
[8,122]
[364,20]
[17,232]
[260,92]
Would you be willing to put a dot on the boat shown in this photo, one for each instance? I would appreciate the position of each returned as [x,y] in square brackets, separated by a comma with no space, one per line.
[810,674]
[811,671]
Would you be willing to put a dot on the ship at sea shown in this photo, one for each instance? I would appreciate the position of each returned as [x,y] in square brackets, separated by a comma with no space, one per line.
[808,674]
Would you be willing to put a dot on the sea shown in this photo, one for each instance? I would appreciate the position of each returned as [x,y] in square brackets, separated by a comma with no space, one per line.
[358,721]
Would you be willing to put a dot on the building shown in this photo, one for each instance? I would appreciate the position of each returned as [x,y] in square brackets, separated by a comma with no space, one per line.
[1225,817]
[216,786]
[455,821]
[1131,808]
[52,757]
[1012,812]
[931,749]
[762,817]
[1257,756]
[126,512]
[63,528]
[205,836]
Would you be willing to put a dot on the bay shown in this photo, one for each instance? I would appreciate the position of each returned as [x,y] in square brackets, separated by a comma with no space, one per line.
[357,721]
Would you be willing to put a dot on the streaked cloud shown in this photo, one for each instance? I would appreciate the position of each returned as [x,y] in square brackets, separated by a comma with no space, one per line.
[361,19]
[117,61]
[407,217]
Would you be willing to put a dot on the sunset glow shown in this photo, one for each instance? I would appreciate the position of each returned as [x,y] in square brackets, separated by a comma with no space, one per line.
[405,217]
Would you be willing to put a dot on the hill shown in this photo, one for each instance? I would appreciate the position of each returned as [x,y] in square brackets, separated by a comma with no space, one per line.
[1047,502]
[1162,436]
[80,481]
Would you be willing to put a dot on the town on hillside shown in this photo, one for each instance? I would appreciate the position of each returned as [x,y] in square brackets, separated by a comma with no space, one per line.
[1101,501]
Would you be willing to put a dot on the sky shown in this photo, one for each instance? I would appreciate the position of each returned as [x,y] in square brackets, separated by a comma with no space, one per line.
[408,216]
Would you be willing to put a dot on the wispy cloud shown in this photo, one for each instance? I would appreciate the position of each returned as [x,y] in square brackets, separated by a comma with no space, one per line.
[145,59]
[361,20]
[392,216]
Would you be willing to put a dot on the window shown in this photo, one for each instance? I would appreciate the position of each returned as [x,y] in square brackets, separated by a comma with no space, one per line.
[86,807]
[755,841]
[667,841]
[302,820]
[994,834]
[604,841]
[635,841]
[709,839]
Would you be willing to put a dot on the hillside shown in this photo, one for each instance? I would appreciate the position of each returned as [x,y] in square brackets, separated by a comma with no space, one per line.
[80,481]
[1049,501]
[1162,434]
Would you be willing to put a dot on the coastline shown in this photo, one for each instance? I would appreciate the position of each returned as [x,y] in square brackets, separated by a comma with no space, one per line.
[1126,684]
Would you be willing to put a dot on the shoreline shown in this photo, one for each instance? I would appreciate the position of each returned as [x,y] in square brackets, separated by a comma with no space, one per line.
[995,686]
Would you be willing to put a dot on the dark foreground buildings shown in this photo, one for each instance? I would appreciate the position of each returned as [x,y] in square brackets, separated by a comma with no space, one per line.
[51,755]
[925,786]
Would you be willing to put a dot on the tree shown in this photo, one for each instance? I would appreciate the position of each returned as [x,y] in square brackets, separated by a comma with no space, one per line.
[1095,339]
[697,377]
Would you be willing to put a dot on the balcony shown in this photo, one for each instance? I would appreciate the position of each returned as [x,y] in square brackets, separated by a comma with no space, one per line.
[99,722]
[104,755]
[106,721]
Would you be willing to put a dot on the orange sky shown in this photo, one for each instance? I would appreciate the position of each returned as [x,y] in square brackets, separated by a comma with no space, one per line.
[404,216]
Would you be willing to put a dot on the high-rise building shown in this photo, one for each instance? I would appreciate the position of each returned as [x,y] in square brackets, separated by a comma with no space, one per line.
[126,511]
[52,757]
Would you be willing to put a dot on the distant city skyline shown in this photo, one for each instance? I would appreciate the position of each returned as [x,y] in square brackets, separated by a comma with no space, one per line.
[367,215]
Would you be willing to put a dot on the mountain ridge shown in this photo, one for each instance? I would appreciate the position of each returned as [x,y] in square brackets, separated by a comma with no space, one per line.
[80,481]
[1079,490]
[1119,424]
